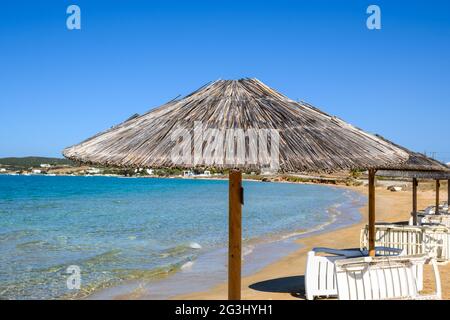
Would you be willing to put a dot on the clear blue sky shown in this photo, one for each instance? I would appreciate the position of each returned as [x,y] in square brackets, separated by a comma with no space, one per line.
[59,87]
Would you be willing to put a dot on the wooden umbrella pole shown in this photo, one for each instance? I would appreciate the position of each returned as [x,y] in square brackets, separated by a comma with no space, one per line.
[415,183]
[235,235]
[448,192]
[372,212]
[438,185]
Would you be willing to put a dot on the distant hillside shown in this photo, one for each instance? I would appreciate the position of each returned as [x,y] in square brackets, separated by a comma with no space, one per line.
[27,162]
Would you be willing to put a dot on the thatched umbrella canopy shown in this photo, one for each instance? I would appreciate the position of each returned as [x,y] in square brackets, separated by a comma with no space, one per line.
[309,140]
[241,124]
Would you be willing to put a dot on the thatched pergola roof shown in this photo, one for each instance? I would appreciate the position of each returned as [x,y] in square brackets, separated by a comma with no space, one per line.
[310,140]
[411,174]
[431,168]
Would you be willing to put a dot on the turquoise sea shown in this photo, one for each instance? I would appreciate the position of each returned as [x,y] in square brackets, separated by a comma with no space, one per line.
[120,230]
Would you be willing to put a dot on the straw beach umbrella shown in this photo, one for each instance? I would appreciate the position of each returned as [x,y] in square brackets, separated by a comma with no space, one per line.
[241,125]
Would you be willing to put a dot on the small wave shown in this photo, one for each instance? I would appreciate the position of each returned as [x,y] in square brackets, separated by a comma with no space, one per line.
[247,250]
[105,257]
[188,265]
[319,227]
[333,212]
[36,244]
[195,245]
[122,275]
[146,274]
[15,235]
[173,251]
[180,249]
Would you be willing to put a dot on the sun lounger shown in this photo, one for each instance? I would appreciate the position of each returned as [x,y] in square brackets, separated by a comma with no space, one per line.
[426,239]
[320,278]
[428,216]
[443,209]
[433,219]
[388,277]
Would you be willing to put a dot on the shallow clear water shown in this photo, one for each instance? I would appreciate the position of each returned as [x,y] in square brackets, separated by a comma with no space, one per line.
[117,230]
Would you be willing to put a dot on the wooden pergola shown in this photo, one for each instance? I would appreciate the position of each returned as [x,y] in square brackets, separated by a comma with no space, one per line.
[415,176]
[309,141]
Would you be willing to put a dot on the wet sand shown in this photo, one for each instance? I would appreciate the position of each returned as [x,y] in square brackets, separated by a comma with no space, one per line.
[284,279]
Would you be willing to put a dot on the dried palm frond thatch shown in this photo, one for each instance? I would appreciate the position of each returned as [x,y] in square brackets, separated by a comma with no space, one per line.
[431,168]
[309,139]
[410,174]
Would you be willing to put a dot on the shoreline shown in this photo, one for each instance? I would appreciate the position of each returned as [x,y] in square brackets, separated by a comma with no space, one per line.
[259,253]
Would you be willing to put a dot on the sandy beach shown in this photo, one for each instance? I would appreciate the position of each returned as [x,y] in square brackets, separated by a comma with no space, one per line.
[284,279]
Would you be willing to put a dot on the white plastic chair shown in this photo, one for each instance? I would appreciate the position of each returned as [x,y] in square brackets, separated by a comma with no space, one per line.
[379,278]
[426,239]
[320,280]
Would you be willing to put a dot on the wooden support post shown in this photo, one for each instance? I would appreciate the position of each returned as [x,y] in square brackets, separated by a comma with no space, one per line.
[372,212]
[415,183]
[235,235]
[438,185]
[448,192]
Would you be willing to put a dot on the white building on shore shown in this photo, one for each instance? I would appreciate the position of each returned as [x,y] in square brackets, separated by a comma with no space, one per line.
[93,171]
[188,173]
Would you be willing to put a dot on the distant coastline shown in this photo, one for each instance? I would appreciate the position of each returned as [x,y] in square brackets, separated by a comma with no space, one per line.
[42,166]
